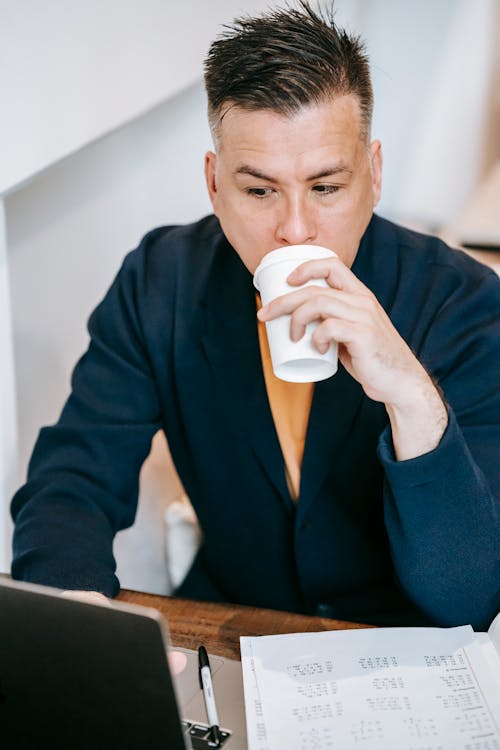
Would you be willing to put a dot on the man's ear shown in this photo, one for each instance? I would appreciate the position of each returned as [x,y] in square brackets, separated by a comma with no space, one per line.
[210,168]
[376,163]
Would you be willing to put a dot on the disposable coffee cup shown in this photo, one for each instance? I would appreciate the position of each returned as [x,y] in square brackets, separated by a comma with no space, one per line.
[295,361]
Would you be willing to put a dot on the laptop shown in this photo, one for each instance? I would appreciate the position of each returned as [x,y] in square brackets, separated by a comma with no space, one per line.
[78,675]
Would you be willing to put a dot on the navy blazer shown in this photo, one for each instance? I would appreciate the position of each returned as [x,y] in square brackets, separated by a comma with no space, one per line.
[174,346]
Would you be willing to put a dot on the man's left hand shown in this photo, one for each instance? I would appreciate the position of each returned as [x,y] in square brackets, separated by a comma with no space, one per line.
[370,349]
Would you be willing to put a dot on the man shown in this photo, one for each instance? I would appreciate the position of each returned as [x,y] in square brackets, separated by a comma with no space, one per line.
[385,511]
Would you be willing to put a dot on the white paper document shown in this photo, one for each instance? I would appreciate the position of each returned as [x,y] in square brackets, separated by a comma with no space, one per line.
[373,689]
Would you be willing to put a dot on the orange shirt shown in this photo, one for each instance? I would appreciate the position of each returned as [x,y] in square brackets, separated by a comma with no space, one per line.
[290,406]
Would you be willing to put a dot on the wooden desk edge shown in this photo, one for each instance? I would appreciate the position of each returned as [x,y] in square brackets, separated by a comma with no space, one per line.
[219,626]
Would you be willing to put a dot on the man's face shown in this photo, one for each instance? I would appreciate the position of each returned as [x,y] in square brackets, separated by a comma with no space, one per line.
[306,179]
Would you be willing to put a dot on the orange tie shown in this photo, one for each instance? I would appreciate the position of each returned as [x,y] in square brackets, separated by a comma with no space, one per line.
[290,406]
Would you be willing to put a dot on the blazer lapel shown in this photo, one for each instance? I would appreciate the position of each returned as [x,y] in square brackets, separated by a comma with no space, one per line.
[336,403]
[231,345]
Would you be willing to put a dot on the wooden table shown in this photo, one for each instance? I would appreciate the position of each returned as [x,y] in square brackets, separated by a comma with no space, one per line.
[219,626]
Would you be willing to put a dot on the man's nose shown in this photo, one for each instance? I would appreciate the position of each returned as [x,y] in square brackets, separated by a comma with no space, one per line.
[295,222]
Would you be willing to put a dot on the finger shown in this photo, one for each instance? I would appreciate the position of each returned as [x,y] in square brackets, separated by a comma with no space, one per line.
[286,303]
[325,306]
[344,332]
[177,661]
[336,274]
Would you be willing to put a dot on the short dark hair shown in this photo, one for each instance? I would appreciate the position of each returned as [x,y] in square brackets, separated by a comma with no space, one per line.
[283,60]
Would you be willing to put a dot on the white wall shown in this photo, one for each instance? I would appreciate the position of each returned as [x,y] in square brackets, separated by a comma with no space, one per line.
[8,425]
[434,74]
[71,71]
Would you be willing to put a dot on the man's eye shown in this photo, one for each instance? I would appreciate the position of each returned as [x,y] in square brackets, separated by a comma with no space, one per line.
[326,189]
[259,192]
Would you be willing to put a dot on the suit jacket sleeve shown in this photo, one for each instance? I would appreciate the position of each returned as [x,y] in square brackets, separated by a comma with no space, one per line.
[83,476]
[441,509]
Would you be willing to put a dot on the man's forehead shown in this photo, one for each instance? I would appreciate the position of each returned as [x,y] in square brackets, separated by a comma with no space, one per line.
[332,104]
[240,125]
[315,138]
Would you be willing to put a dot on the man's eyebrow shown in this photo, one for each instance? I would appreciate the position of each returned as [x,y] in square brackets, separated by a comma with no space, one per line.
[253,172]
[329,171]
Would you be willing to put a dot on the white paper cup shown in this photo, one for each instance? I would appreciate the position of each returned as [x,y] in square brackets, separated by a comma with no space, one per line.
[295,361]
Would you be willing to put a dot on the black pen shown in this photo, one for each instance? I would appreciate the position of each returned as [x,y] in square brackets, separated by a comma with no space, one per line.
[208,693]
